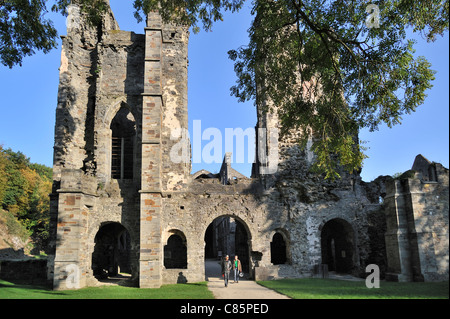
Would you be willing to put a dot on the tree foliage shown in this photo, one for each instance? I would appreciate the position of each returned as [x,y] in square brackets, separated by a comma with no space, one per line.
[24,192]
[330,73]
[24,29]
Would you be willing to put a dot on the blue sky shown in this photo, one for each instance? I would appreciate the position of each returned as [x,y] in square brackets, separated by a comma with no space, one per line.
[29,98]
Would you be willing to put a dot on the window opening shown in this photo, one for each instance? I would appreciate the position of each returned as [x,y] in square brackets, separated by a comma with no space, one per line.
[123,129]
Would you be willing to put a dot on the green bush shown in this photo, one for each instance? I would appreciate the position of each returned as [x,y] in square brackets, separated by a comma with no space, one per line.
[15,228]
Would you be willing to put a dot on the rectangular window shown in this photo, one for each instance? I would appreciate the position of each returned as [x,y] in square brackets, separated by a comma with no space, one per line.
[122,158]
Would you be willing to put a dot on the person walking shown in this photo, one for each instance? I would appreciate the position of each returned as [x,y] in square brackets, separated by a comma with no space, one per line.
[237,268]
[226,268]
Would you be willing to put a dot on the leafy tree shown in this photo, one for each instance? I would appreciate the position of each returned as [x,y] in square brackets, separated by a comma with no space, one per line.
[24,190]
[331,71]
[43,171]
[24,29]
[3,178]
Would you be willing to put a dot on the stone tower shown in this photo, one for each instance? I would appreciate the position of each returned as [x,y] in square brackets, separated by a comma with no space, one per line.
[120,95]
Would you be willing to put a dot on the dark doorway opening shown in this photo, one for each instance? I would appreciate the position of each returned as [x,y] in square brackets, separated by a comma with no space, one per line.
[227,235]
[278,250]
[112,251]
[175,253]
[338,246]
[210,244]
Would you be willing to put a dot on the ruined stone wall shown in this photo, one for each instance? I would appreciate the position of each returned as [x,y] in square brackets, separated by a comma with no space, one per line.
[431,224]
[74,199]
[101,72]
[106,72]
[417,227]
[308,201]
[164,110]
[28,271]
[263,213]
[175,173]
[191,212]
[119,85]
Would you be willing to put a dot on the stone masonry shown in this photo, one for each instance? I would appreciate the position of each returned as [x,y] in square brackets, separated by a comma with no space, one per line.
[120,204]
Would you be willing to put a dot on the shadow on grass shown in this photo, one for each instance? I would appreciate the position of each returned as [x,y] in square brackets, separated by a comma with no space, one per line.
[10,290]
[22,285]
[21,290]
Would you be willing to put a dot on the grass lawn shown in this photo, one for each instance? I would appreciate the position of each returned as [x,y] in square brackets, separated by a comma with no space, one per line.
[294,288]
[339,289]
[9,290]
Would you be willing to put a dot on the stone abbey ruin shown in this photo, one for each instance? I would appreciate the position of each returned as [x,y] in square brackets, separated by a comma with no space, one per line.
[120,205]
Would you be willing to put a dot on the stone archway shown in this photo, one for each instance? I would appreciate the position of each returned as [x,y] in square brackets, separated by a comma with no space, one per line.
[228,235]
[175,251]
[338,246]
[112,251]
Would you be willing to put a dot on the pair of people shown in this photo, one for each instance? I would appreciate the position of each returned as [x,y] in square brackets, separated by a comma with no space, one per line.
[227,266]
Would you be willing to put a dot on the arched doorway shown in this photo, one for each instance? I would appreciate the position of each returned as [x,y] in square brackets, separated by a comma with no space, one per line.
[227,235]
[338,247]
[278,254]
[175,251]
[112,252]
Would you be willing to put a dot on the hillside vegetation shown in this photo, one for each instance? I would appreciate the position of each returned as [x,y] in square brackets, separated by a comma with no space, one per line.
[24,203]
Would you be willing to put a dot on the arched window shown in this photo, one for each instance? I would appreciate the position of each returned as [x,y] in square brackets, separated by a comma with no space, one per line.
[123,128]
[278,250]
[175,253]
